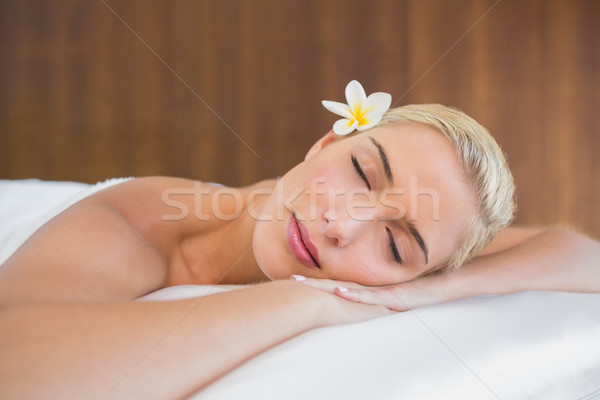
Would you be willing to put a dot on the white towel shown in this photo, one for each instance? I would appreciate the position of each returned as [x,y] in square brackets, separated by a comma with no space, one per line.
[25,205]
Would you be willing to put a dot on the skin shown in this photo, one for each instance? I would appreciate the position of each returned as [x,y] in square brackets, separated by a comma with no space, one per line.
[65,302]
[351,240]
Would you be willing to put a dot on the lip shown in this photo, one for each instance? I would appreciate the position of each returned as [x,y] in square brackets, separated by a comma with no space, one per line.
[300,244]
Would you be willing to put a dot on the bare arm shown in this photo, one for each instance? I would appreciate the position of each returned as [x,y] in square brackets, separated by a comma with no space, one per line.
[554,259]
[155,350]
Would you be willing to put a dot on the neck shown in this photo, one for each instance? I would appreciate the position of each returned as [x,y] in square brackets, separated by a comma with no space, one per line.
[230,256]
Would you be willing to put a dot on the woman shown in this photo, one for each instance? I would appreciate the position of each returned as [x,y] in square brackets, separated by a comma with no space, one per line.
[402,206]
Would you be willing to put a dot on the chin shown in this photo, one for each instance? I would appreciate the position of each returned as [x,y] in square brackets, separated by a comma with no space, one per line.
[273,270]
[271,259]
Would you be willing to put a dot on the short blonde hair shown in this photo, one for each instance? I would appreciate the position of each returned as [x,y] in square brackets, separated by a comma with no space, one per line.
[485,165]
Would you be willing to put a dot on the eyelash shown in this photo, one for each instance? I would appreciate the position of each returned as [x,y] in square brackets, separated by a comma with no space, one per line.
[393,247]
[360,172]
[362,175]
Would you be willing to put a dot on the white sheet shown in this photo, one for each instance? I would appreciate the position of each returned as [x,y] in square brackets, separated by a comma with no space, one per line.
[27,204]
[530,345]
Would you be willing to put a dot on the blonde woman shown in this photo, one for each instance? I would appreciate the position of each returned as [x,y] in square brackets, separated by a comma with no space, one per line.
[412,210]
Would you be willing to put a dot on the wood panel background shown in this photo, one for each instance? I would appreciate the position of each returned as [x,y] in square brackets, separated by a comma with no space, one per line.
[92,89]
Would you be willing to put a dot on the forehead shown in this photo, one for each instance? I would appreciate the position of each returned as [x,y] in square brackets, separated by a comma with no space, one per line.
[411,139]
[438,195]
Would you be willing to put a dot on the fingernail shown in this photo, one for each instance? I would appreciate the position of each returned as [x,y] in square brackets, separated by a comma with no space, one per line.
[298,278]
[342,289]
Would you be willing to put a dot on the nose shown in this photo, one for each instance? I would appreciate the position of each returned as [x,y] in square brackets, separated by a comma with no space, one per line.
[345,227]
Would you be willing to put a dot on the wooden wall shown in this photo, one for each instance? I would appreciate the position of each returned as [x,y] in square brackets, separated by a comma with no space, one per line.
[91,89]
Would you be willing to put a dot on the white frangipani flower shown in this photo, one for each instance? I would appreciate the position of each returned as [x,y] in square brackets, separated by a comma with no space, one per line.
[361,112]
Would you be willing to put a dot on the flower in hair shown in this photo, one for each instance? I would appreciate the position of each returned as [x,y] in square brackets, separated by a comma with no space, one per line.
[361,112]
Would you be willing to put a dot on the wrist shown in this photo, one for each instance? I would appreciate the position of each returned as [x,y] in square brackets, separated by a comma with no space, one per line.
[449,286]
[473,279]
[312,307]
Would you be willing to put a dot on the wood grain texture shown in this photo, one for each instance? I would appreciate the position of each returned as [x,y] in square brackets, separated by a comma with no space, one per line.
[173,87]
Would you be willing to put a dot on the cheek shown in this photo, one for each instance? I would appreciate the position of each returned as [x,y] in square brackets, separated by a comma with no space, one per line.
[358,264]
[375,277]
[362,265]
[363,276]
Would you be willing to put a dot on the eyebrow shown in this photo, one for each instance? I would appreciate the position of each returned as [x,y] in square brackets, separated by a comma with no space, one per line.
[384,160]
[415,233]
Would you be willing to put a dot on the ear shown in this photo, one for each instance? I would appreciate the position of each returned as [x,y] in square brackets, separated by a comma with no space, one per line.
[329,137]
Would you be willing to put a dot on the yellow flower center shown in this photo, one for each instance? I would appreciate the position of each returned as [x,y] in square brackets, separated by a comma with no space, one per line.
[359,114]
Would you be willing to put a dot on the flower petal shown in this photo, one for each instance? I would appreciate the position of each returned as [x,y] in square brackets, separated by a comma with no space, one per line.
[355,94]
[344,126]
[372,118]
[378,101]
[340,109]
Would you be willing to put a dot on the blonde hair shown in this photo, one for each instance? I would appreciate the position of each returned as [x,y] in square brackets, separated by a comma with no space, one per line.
[485,165]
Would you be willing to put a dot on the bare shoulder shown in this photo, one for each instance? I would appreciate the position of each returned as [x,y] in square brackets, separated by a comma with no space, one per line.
[107,247]
[153,193]
[162,209]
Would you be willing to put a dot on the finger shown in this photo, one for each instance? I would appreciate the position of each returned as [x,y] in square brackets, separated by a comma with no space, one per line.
[324,284]
[382,296]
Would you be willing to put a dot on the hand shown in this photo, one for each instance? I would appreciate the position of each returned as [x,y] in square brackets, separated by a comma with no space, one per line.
[399,297]
[326,307]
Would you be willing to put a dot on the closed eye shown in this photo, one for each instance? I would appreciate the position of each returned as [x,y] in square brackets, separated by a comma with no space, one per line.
[360,172]
[393,247]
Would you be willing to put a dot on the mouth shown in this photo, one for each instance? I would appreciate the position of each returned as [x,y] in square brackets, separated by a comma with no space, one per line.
[300,244]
